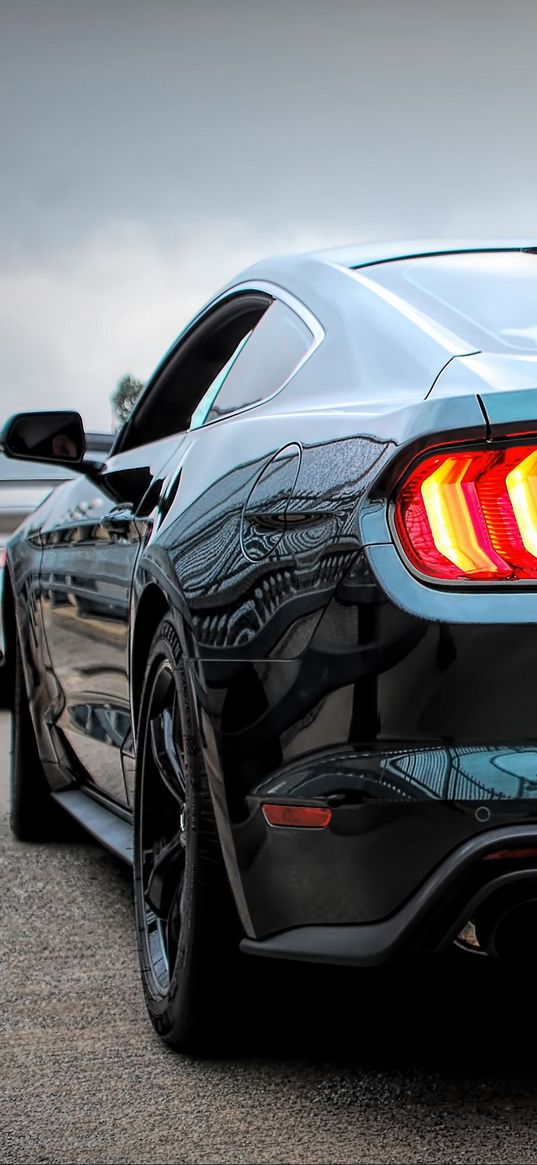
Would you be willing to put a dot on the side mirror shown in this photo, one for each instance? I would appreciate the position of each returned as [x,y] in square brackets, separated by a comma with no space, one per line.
[56,437]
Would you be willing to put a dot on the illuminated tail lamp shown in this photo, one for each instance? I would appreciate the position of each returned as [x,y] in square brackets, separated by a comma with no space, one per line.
[521,484]
[301,816]
[471,515]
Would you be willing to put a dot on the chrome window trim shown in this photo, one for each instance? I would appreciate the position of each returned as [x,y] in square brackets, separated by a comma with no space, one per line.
[276,293]
[266,287]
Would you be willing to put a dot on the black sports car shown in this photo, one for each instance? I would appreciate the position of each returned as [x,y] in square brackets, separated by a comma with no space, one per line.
[279,649]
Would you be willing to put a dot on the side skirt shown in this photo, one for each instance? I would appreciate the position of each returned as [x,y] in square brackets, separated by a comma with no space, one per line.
[104,824]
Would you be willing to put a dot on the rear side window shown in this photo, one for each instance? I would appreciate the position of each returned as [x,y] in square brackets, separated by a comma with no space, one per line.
[200,414]
[261,364]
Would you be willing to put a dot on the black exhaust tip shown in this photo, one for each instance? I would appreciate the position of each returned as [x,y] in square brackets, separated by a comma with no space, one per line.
[506,924]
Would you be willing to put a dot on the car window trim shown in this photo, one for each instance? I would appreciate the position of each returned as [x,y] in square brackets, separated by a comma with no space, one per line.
[259,286]
[280,294]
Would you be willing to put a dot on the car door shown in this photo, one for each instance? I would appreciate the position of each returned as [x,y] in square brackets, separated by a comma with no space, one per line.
[93,536]
[90,544]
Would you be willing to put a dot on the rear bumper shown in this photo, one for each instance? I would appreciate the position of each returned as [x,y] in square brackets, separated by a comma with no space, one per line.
[428,921]
[420,734]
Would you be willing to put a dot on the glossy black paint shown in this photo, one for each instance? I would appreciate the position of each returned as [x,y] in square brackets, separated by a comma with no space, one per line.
[89,547]
[323,671]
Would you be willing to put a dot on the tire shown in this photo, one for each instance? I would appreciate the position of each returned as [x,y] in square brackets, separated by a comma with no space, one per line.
[4,698]
[187,926]
[34,816]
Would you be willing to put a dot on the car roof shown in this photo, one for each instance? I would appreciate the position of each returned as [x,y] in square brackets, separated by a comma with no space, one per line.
[377,343]
[287,269]
[369,254]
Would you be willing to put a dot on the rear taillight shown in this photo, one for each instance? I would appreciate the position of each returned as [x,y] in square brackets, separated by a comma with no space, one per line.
[471,514]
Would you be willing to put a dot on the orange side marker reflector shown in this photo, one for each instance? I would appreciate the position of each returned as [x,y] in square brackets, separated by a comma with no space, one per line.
[301,816]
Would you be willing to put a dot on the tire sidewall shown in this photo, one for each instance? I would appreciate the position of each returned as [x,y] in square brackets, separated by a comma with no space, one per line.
[33,815]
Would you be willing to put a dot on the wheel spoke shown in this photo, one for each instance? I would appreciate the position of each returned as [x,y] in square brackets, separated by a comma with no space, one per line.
[173,925]
[165,754]
[164,826]
[166,874]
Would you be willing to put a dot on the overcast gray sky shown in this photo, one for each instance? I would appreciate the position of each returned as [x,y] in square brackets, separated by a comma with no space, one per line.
[151,148]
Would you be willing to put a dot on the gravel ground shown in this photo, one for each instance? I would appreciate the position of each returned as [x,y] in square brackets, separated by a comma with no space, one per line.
[433,1066]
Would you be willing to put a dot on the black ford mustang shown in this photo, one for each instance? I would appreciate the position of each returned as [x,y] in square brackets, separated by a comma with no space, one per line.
[279,649]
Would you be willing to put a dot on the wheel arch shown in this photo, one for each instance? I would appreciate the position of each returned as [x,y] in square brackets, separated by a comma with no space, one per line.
[152,607]
[10,632]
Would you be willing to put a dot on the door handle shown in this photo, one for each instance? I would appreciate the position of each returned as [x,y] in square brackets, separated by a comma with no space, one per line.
[119,513]
[118,522]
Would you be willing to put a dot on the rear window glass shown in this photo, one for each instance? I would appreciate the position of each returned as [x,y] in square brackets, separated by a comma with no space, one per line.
[489,299]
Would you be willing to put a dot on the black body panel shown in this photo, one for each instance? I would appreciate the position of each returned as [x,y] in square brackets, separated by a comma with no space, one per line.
[323,671]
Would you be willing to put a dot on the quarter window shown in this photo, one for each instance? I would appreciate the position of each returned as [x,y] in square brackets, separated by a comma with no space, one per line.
[200,414]
[187,382]
[261,364]
[241,352]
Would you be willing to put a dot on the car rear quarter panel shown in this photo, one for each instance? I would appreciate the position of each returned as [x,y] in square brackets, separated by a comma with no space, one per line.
[314,677]
[262,529]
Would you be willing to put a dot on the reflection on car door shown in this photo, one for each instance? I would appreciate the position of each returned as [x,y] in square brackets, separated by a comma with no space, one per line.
[90,545]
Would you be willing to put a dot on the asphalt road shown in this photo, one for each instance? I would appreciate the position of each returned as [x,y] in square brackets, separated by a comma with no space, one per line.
[434,1065]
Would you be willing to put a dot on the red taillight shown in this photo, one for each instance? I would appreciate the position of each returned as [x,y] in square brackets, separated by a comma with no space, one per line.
[304,816]
[471,514]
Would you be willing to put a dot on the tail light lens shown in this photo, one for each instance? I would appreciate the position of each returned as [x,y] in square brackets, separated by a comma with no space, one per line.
[471,515]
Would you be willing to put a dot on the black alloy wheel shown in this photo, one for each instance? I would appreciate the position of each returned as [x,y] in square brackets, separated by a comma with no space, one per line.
[186,922]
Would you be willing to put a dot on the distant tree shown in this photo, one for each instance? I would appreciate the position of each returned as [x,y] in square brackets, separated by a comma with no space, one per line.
[124,396]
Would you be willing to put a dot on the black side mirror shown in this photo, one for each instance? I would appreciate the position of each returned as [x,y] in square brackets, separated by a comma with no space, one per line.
[56,437]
